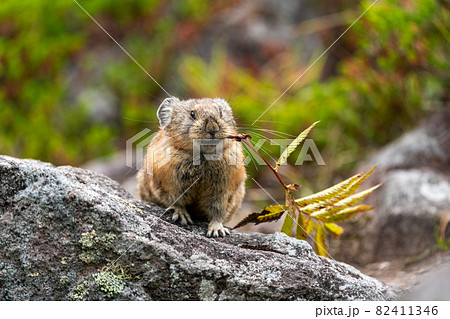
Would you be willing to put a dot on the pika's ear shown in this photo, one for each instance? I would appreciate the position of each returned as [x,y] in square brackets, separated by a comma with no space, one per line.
[164,112]
[224,106]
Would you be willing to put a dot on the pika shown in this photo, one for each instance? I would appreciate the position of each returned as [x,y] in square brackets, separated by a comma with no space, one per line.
[191,166]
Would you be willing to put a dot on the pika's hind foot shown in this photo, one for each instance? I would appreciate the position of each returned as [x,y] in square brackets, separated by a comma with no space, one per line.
[216,229]
[183,215]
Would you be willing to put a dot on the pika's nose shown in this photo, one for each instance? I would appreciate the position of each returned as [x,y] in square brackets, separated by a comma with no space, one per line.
[211,126]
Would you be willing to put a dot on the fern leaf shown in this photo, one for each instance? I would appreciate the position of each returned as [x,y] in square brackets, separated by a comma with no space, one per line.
[269,214]
[333,229]
[327,193]
[310,226]
[355,185]
[319,240]
[291,147]
[347,214]
[342,204]
[333,194]
[300,232]
[252,218]
[288,223]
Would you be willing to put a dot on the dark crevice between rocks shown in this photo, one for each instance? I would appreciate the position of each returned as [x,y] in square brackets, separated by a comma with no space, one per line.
[261,247]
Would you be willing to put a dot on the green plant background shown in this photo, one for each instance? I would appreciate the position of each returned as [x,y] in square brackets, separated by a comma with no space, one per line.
[394,73]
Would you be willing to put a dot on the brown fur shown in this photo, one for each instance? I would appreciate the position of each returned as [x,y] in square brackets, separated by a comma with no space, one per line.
[214,188]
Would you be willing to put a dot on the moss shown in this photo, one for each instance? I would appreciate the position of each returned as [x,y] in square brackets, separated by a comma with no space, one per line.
[109,283]
[94,245]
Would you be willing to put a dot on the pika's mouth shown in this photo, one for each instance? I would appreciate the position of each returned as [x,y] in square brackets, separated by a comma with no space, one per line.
[240,137]
[219,136]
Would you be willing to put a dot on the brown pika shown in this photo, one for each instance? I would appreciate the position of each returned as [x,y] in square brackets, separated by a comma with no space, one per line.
[191,166]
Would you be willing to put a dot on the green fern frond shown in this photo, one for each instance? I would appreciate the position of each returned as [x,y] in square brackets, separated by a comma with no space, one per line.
[291,147]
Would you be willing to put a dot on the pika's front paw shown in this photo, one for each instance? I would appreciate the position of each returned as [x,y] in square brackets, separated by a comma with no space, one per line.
[183,215]
[216,229]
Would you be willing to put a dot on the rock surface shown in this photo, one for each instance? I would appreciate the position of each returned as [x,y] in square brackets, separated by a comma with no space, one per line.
[71,234]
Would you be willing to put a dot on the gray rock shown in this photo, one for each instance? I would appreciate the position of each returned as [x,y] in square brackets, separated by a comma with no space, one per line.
[68,233]
[409,205]
[428,146]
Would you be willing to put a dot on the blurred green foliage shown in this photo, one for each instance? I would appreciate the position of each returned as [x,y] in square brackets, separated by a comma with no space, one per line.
[44,44]
[396,73]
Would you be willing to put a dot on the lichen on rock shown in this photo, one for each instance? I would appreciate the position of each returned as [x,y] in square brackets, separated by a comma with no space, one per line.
[94,246]
[109,283]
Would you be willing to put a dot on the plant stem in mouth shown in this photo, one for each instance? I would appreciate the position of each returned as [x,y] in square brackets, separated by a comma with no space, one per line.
[243,138]
[240,137]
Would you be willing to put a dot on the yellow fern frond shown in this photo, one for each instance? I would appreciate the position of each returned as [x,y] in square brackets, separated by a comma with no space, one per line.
[328,193]
[342,204]
[269,214]
[319,240]
[333,194]
[346,214]
[333,229]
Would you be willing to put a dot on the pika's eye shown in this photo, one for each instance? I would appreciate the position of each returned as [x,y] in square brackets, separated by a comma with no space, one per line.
[193,115]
